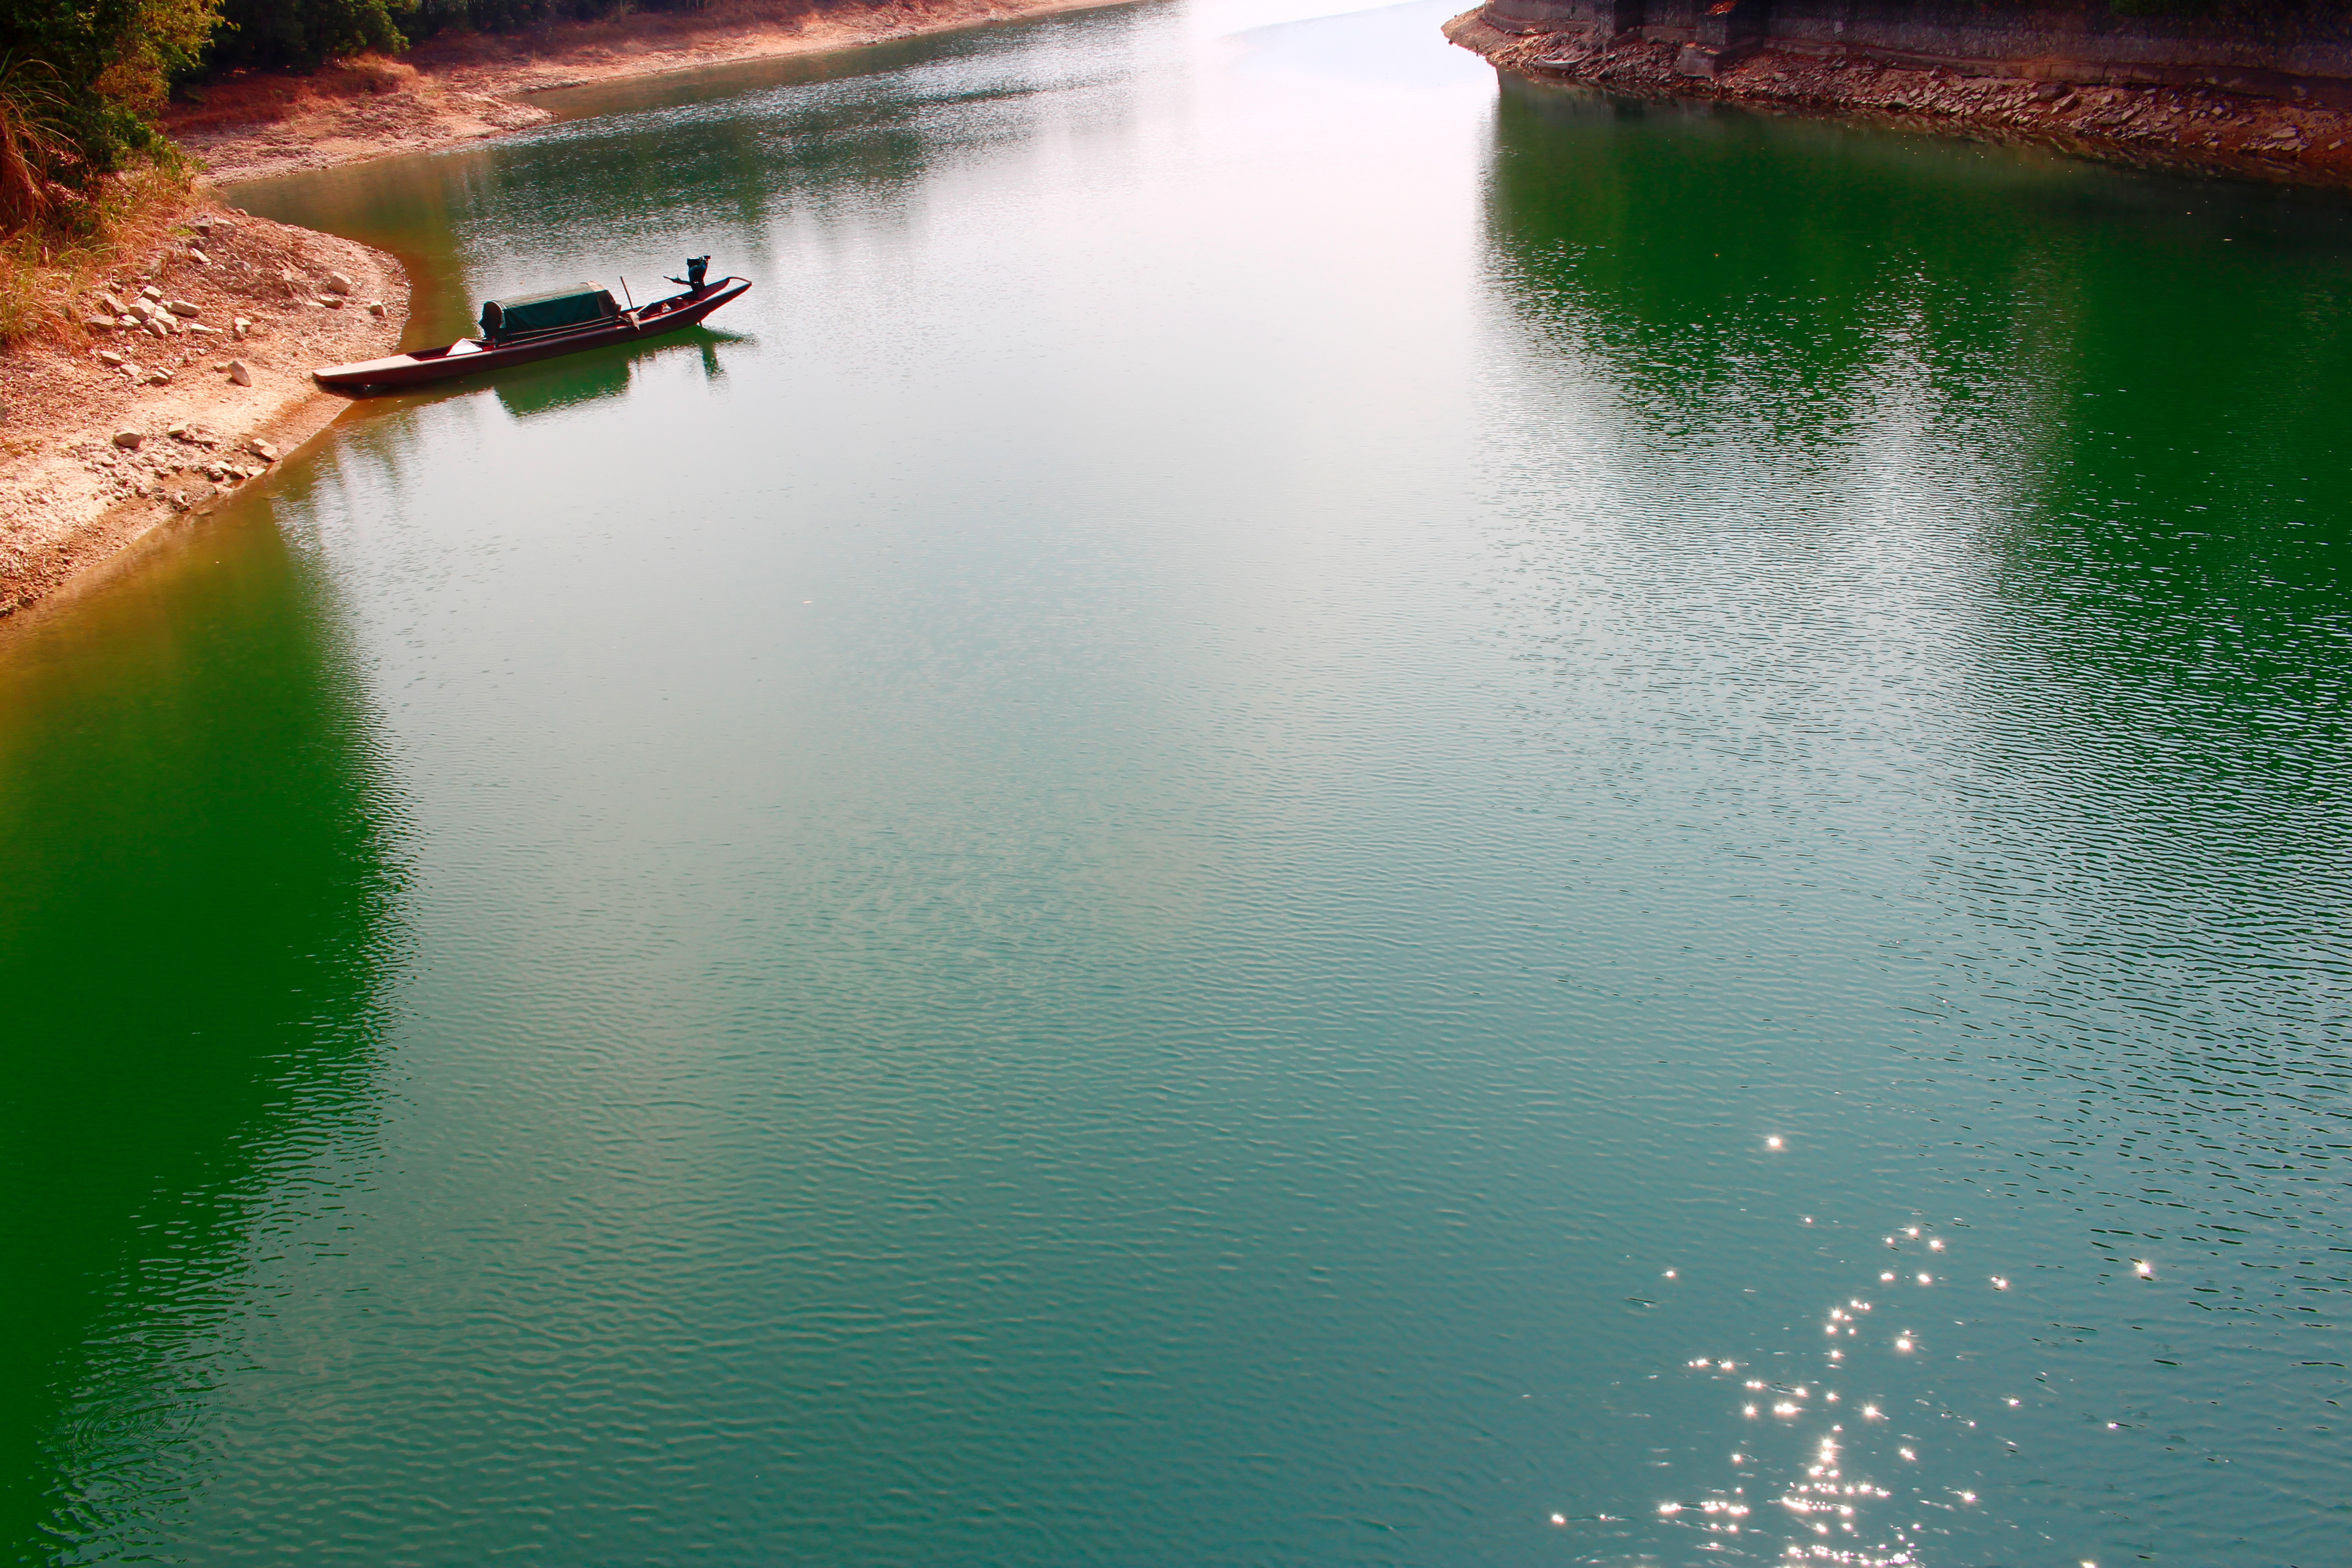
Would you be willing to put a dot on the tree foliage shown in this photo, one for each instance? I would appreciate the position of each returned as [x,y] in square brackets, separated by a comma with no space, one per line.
[302,34]
[77,81]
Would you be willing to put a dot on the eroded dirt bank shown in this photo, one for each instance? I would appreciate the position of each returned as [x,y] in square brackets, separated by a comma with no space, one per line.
[462,87]
[186,376]
[2175,127]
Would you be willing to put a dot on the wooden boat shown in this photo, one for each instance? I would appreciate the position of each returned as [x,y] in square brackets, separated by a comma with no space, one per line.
[470,356]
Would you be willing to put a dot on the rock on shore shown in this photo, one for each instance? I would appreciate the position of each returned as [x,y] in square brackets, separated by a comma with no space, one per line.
[185,375]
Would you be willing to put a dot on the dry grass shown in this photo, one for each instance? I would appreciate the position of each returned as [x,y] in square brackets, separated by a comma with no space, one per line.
[42,273]
[264,98]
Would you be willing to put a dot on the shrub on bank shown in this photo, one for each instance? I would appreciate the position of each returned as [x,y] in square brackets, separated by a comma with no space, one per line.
[298,35]
[502,16]
[78,84]
[45,268]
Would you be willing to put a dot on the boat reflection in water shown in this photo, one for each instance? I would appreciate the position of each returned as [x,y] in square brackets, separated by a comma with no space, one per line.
[590,377]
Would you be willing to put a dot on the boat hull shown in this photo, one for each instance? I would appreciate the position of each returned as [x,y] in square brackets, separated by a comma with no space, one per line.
[470,357]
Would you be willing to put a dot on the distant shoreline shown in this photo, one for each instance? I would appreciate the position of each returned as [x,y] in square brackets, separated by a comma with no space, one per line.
[2183,129]
[466,87]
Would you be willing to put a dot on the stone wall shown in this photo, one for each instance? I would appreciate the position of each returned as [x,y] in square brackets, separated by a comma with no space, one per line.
[2080,42]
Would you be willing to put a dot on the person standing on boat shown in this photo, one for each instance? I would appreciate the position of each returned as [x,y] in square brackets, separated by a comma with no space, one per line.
[697,266]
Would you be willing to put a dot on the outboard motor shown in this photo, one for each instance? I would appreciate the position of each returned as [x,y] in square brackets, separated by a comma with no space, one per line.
[697,268]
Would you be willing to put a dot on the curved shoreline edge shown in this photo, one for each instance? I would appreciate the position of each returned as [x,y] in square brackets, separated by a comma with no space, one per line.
[75,505]
[2177,129]
[457,88]
[120,432]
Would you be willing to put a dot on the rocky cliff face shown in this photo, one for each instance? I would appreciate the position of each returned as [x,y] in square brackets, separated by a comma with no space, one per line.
[2273,105]
[2082,42]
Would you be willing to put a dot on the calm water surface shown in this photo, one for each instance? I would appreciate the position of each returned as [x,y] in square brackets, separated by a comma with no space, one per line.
[1295,812]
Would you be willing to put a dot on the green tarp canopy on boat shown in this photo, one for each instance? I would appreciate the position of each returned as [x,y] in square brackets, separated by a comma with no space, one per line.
[574,307]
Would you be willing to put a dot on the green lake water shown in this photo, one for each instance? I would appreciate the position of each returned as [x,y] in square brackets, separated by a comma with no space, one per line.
[1297,810]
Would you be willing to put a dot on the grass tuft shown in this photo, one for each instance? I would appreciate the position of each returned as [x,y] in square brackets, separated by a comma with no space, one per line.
[45,268]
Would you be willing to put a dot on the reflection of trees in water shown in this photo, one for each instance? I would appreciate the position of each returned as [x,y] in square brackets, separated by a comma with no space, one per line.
[2151,469]
[196,930]
[859,145]
[1756,277]
[824,142]
[2097,439]
[2160,764]
[1778,277]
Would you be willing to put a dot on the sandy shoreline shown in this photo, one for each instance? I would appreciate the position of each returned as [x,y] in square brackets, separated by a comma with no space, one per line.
[95,455]
[132,425]
[465,87]
[2190,130]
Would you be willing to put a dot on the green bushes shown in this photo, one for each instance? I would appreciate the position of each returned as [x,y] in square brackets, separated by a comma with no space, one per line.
[300,34]
[77,86]
[296,35]
[501,16]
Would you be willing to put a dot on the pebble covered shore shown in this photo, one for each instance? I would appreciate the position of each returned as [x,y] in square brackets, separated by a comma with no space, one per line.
[182,378]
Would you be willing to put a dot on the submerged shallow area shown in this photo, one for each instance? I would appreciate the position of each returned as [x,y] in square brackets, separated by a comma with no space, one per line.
[1297,810]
